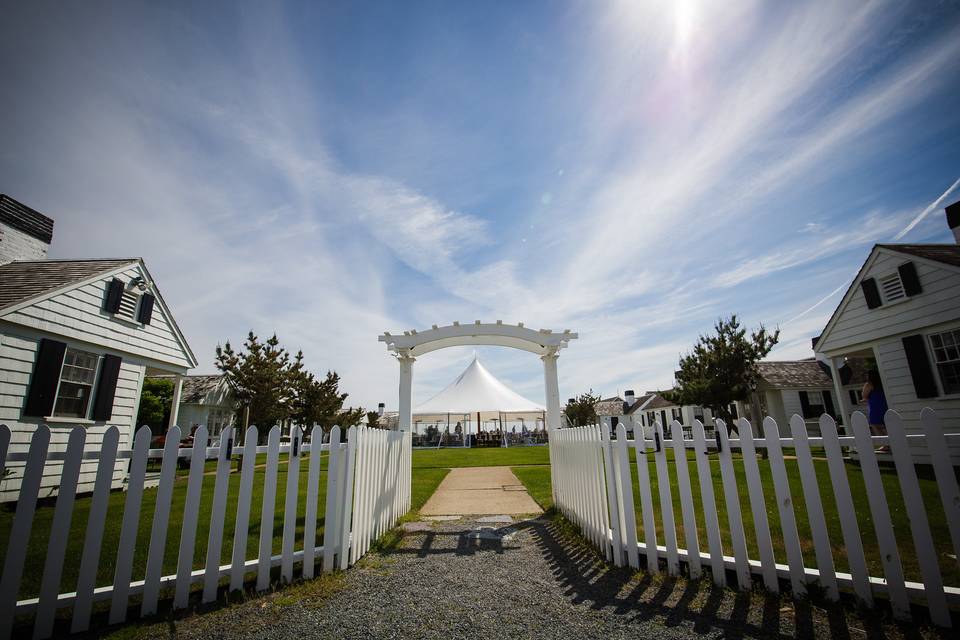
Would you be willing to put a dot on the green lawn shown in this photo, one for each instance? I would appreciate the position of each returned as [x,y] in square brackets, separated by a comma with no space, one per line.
[537,481]
[424,483]
[486,457]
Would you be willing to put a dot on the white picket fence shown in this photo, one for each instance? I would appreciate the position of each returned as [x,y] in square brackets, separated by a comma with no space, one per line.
[367,490]
[593,487]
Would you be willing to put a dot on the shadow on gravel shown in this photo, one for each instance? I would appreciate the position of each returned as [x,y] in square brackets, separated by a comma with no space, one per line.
[469,542]
[588,580]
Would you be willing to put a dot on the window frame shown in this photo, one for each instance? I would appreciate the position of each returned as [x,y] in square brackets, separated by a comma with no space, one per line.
[53,417]
[944,394]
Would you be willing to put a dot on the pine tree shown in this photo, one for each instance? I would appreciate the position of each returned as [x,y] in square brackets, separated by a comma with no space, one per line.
[722,368]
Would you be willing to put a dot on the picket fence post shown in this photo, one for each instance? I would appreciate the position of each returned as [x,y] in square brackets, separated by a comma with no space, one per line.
[129,527]
[331,514]
[686,500]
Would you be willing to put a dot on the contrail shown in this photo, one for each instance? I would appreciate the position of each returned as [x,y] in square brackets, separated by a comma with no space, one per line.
[923,214]
[822,300]
[920,216]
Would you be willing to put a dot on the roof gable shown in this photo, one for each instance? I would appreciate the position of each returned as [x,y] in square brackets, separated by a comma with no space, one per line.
[935,256]
[64,297]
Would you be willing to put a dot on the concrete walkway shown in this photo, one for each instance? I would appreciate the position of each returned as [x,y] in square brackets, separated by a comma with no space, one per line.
[480,491]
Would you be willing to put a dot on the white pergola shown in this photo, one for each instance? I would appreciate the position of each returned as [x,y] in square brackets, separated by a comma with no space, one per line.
[543,342]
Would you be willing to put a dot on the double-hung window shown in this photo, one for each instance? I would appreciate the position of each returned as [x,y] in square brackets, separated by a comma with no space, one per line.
[77,378]
[946,355]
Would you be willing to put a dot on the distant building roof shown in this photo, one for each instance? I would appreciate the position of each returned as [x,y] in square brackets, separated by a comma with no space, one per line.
[658,402]
[25,280]
[23,218]
[783,374]
[945,253]
[195,388]
[609,407]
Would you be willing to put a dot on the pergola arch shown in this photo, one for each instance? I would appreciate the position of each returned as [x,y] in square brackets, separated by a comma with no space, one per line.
[542,342]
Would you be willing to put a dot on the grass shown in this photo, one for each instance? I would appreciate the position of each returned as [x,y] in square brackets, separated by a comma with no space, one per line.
[486,457]
[537,481]
[424,483]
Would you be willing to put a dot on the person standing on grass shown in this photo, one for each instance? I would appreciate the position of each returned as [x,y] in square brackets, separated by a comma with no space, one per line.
[876,401]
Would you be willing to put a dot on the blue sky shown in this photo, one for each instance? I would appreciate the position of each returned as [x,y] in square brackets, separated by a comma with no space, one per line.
[628,170]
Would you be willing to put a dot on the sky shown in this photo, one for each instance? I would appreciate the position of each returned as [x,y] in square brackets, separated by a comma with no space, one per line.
[630,171]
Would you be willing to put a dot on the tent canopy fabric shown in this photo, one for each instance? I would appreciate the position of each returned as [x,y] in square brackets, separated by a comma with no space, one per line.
[476,389]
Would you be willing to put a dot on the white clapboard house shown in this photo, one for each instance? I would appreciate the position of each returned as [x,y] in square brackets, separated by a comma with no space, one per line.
[77,338]
[903,311]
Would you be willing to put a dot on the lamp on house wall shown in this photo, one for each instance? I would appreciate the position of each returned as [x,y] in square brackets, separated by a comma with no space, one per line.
[139,283]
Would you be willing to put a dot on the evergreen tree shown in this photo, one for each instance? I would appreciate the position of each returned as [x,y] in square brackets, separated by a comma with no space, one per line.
[260,378]
[722,368]
[582,410]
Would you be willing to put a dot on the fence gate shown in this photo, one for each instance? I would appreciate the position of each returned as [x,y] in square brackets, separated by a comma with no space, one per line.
[594,480]
[367,489]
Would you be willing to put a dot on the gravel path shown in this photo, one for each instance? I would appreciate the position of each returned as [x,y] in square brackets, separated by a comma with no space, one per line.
[469,579]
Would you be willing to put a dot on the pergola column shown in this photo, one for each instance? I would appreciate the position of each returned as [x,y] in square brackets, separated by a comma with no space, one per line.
[552,388]
[175,402]
[405,417]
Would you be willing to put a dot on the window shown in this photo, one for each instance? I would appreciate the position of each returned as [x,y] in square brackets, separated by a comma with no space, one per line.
[854,396]
[892,288]
[76,384]
[946,355]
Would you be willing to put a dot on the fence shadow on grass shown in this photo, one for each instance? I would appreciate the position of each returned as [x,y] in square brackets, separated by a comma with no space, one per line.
[588,580]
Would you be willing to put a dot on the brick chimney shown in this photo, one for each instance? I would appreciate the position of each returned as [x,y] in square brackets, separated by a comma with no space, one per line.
[953,220]
[25,234]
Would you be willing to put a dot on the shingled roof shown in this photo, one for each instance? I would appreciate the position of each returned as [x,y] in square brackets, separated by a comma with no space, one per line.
[788,374]
[196,388]
[26,280]
[945,253]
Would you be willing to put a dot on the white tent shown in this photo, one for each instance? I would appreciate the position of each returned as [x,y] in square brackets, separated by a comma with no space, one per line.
[477,390]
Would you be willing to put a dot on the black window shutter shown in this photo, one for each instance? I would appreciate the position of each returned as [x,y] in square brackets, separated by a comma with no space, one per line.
[920,370]
[146,308]
[111,304]
[910,279]
[805,405]
[46,375]
[871,293]
[106,388]
[828,404]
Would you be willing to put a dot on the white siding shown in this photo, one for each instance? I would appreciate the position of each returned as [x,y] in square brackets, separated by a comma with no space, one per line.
[17,354]
[898,386]
[78,314]
[939,302]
